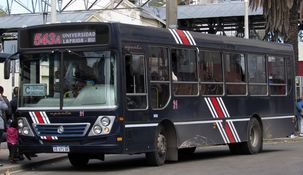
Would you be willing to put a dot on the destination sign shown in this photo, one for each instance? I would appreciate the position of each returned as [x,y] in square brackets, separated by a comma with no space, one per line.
[63,38]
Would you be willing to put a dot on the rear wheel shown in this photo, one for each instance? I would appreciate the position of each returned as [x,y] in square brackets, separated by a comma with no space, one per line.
[78,160]
[254,142]
[255,137]
[158,156]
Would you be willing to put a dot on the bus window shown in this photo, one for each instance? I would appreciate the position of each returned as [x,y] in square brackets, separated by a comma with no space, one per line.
[89,78]
[159,77]
[83,79]
[257,74]
[210,73]
[40,82]
[184,68]
[235,74]
[135,81]
[276,75]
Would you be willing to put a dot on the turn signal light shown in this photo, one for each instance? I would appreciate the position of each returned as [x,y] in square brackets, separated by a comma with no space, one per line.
[119,139]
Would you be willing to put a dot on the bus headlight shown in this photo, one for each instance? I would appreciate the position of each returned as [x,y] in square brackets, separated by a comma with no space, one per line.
[105,121]
[20,123]
[97,129]
[24,127]
[102,125]
[25,131]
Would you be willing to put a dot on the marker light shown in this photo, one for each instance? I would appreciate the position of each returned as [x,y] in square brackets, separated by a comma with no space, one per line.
[106,130]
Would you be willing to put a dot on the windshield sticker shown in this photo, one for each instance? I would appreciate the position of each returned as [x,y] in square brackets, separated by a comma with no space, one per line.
[34,90]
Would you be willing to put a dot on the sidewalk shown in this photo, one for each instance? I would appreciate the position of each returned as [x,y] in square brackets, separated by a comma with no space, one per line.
[25,164]
[49,158]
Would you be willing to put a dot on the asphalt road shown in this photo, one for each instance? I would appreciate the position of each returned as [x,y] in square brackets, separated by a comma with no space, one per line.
[278,158]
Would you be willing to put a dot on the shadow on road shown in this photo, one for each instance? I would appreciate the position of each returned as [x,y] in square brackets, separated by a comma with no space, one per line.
[136,162]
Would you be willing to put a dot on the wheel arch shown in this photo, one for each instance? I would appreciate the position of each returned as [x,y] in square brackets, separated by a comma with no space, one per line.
[258,117]
[170,131]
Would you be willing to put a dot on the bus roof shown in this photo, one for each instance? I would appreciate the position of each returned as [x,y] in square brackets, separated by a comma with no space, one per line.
[207,41]
[161,36]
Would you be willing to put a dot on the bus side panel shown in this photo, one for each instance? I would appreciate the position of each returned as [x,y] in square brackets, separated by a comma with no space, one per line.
[139,139]
[277,128]
[212,133]
[240,130]
[276,113]
[198,135]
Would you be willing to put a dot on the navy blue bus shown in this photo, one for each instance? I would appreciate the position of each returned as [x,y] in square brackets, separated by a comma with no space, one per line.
[90,89]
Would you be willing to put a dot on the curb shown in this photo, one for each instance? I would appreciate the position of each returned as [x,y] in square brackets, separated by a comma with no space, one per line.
[296,139]
[29,165]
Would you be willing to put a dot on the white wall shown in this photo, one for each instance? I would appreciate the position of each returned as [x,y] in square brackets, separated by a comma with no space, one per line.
[128,16]
[7,84]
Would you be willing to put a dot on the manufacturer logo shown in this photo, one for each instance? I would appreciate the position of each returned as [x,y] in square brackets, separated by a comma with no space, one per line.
[60,129]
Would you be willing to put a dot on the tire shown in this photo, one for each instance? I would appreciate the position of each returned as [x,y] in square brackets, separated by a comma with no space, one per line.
[78,160]
[254,143]
[158,156]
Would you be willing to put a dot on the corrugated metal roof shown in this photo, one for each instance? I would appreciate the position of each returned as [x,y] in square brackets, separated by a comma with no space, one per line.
[184,12]
[23,20]
[227,9]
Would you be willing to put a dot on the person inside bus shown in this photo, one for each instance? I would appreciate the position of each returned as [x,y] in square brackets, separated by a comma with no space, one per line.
[76,76]
[84,72]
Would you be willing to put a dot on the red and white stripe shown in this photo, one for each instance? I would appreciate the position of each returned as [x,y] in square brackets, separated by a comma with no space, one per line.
[182,37]
[41,118]
[219,111]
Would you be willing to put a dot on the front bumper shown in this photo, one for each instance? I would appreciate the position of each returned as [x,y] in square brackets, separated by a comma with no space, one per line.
[105,145]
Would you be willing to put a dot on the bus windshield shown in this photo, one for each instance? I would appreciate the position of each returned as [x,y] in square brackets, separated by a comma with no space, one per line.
[81,79]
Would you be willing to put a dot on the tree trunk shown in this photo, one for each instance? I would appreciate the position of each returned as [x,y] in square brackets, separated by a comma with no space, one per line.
[293,30]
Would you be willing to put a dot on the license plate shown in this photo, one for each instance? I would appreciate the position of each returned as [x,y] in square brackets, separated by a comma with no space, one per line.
[61,149]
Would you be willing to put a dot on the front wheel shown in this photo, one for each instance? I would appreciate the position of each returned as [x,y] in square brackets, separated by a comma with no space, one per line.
[78,160]
[158,156]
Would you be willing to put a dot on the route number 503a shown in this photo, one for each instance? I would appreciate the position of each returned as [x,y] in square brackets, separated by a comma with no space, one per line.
[42,39]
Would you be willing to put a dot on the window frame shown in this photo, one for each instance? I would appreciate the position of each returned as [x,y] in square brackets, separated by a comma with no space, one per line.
[235,83]
[150,82]
[285,75]
[125,53]
[211,82]
[266,75]
[196,50]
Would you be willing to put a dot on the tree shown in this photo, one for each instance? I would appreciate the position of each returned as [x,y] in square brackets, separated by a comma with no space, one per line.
[2,12]
[281,19]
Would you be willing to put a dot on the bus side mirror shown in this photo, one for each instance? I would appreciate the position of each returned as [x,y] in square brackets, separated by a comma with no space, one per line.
[7,68]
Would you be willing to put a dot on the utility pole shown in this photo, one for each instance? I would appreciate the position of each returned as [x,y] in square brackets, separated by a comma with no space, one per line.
[53,12]
[171,14]
[246,26]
